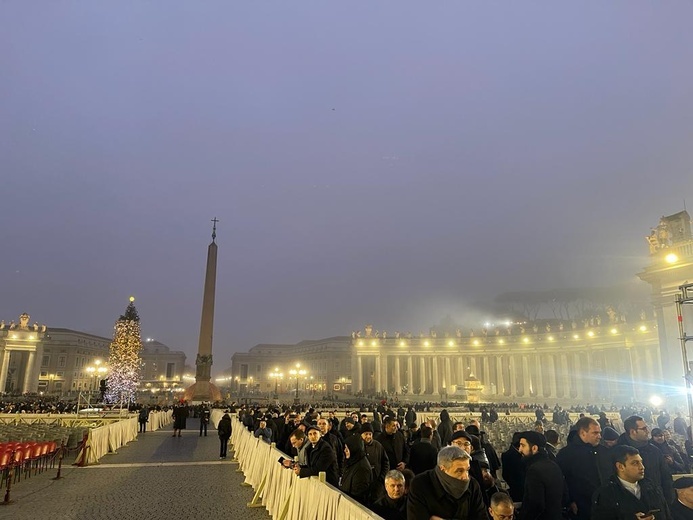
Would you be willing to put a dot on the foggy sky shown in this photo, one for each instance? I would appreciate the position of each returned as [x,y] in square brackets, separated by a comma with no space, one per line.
[370,162]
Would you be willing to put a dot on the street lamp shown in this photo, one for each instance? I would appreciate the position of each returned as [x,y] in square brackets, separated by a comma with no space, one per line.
[298,371]
[276,375]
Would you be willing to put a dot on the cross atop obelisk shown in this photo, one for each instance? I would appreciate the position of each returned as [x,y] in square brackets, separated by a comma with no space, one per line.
[203,390]
[214,228]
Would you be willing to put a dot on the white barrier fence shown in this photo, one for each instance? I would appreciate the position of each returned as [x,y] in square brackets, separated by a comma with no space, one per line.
[279,490]
[108,438]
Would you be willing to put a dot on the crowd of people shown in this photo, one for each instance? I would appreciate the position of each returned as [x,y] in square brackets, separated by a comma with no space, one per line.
[438,468]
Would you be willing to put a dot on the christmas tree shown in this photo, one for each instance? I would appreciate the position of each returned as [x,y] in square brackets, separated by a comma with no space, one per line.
[124,358]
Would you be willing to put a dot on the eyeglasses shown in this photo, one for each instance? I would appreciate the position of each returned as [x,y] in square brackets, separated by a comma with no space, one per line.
[463,444]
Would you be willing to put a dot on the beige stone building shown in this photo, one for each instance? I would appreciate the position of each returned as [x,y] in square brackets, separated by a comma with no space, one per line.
[65,362]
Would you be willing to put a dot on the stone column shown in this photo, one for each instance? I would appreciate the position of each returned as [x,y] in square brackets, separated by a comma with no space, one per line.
[551,375]
[487,374]
[378,381]
[422,374]
[436,381]
[384,376]
[565,375]
[448,377]
[398,380]
[359,374]
[410,374]
[500,385]
[460,370]
[5,356]
[538,374]
[513,375]
[28,385]
[526,378]
[577,374]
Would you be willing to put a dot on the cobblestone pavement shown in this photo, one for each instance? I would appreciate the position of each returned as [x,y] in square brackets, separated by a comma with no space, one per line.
[155,477]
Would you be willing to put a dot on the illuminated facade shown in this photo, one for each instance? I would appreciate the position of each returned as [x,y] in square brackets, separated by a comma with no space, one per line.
[326,362]
[66,362]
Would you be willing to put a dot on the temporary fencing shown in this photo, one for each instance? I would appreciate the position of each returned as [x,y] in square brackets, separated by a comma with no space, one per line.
[283,493]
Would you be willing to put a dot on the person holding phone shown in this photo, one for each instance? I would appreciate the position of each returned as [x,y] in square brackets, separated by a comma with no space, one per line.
[629,495]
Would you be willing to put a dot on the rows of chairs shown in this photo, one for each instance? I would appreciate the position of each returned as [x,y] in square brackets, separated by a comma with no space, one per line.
[25,458]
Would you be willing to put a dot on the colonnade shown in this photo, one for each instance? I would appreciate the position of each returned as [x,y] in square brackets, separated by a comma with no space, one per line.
[558,374]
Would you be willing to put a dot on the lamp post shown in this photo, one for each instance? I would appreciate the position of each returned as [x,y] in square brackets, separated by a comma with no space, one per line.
[297,372]
[276,375]
[51,379]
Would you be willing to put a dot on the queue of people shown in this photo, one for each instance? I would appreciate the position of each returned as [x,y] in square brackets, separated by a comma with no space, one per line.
[446,469]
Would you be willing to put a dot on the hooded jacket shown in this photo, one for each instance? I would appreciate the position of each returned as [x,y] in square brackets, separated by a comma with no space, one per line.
[358,475]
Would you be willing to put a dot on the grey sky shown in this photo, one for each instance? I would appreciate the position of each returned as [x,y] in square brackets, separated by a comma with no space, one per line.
[384,162]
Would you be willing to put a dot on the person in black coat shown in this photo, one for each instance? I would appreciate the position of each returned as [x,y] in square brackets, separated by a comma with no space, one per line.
[682,507]
[423,455]
[637,436]
[586,465]
[394,443]
[357,478]
[543,493]
[513,469]
[393,504]
[224,432]
[320,457]
[446,491]
[628,494]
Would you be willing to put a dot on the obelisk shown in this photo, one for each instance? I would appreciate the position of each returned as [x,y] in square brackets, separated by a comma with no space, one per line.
[202,389]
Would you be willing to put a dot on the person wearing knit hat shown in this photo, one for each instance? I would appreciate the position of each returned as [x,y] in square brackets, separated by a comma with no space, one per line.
[377,458]
[609,437]
[463,440]
[543,491]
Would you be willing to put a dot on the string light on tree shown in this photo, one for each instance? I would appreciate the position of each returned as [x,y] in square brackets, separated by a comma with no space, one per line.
[124,358]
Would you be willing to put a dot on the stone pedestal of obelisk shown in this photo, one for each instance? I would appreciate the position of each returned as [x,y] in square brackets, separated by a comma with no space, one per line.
[202,389]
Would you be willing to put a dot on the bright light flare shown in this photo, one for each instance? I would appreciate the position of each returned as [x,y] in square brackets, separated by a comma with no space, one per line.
[656,401]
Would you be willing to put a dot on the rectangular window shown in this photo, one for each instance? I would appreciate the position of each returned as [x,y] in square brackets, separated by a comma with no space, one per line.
[61,361]
[170,370]
[244,371]
[45,361]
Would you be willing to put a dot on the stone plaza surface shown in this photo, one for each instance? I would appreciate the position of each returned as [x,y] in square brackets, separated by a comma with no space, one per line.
[155,477]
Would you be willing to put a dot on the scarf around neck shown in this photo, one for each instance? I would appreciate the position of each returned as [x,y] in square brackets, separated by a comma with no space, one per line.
[452,486]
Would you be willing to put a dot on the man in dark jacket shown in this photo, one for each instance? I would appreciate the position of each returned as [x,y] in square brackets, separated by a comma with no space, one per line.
[656,470]
[423,455]
[335,442]
[445,428]
[394,444]
[629,495]
[513,469]
[682,507]
[393,504]
[446,491]
[320,457]
[377,458]
[543,480]
[585,465]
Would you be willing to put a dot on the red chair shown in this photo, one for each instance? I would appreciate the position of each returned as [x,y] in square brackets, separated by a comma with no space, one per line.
[19,457]
[34,458]
[5,461]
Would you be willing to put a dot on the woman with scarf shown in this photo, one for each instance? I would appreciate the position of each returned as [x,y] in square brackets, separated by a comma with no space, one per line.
[358,475]
[446,491]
